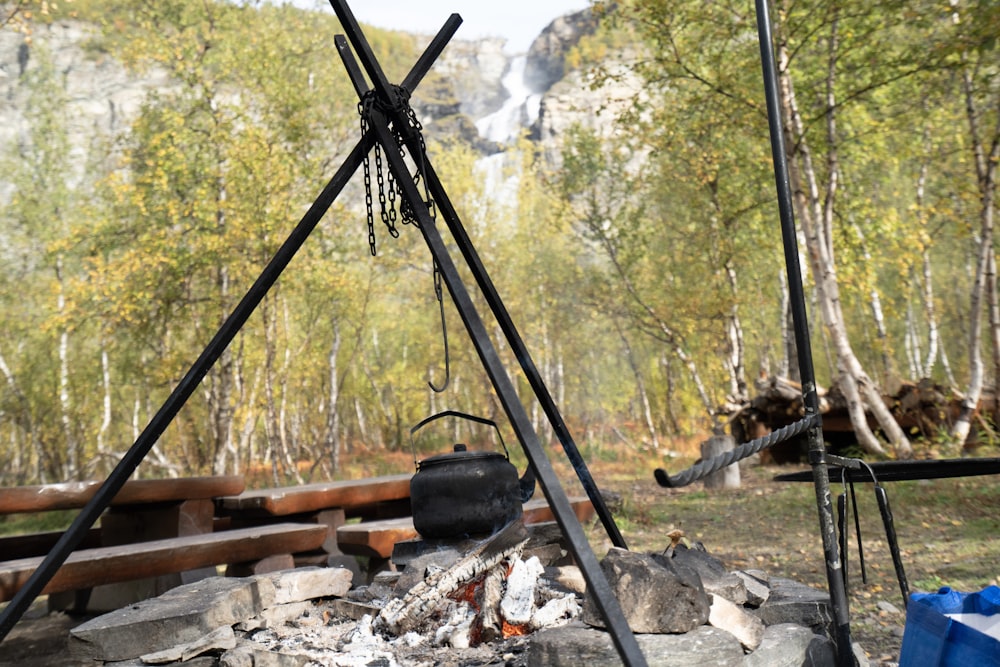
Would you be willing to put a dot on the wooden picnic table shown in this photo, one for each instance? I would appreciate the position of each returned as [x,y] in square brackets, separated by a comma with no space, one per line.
[376,539]
[329,504]
[126,564]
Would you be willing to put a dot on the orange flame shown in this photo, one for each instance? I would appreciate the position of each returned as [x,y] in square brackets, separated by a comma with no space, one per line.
[509,630]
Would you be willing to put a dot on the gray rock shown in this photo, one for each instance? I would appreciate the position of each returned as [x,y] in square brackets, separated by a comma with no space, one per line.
[222,638]
[568,578]
[758,590]
[715,577]
[547,55]
[309,583]
[201,661]
[888,607]
[353,610]
[655,595]
[574,645]
[241,656]
[263,658]
[793,602]
[790,645]
[732,618]
[275,616]
[184,614]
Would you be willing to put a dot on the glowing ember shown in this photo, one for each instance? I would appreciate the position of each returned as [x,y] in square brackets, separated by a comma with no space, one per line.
[469,593]
[508,630]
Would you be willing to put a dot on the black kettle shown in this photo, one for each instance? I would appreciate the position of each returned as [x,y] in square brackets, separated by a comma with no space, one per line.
[466,493]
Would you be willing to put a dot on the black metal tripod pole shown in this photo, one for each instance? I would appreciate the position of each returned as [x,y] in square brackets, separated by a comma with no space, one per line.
[810,399]
[70,539]
[545,399]
[391,110]
[181,393]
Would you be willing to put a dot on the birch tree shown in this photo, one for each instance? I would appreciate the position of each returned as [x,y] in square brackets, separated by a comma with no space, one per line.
[979,75]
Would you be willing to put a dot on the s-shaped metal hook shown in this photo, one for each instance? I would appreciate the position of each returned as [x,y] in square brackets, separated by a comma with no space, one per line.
[444,332]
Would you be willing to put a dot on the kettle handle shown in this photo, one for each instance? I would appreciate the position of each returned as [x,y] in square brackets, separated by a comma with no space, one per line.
[455,413]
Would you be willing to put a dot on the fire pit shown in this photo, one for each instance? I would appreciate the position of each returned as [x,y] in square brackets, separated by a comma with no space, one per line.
[499,601]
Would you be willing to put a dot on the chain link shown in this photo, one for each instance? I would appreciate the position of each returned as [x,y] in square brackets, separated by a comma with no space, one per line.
[386,186]
[363,110]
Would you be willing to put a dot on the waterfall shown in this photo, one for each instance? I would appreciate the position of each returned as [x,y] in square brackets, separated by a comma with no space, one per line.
[500,172]
[519,110]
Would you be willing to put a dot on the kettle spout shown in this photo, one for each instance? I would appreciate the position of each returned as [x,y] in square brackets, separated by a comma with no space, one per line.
[527,484]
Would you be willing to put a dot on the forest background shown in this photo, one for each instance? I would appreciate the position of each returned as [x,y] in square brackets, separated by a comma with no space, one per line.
[640,256]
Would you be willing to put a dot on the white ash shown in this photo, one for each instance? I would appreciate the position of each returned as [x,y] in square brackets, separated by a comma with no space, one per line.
[448,634]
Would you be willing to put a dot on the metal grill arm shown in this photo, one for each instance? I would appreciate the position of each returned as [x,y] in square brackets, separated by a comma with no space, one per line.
[738,453]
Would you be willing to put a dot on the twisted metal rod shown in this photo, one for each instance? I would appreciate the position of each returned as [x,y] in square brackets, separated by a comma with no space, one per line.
[738,453]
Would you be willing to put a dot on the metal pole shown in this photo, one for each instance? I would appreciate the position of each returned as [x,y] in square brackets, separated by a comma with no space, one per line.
[817,449]
[475,264]
[545,399]
[598,586]
[70,539]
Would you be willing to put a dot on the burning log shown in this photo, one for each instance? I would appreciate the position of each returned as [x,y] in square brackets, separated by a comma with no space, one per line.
[487,595]
[490,617]
[430,595]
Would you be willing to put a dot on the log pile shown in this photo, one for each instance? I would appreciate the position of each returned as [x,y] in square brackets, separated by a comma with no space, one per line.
[923,409]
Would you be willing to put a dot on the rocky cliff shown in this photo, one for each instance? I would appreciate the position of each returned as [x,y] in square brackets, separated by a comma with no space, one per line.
[466,84]
[101,96]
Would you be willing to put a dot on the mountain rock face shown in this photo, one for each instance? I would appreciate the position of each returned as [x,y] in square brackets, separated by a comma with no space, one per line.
[547,55]
[574,100]
[102,97]
[465,85]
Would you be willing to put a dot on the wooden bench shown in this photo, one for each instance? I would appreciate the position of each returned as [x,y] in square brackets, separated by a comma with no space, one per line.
[356,497]
[142,511]
[376,539]
[74,495]
[104,565]
[329,504]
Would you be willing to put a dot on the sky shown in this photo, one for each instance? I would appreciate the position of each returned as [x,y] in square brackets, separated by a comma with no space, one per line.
[519,21]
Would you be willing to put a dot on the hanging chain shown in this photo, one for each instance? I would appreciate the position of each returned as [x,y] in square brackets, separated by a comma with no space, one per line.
[366,166]
[386,186]
[416,128]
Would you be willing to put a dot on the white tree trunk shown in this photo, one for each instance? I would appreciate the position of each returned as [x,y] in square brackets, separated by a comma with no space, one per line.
[986,165]
[72,469]
[102,431]
[332,435]
[816,215]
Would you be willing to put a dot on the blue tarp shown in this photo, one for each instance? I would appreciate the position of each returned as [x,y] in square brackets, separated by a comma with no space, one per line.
[932,639]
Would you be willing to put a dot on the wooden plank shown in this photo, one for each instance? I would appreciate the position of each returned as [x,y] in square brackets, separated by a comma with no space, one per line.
[74,495]
[348,494]
[538,510]
[105,565]
[28,545]
[376,539]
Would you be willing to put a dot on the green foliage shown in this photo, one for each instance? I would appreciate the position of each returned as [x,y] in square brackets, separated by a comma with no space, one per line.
[641,269]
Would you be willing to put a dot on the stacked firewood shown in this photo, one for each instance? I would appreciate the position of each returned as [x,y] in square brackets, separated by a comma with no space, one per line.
[923,409]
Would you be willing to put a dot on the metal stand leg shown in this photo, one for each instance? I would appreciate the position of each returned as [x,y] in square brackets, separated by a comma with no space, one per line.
[390,109]
[69,541]
[817,449]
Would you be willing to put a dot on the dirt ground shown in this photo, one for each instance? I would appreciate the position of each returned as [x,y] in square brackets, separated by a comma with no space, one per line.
[945,530]
[40,640]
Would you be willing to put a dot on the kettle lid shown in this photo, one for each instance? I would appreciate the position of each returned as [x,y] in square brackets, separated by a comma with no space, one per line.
[460,453]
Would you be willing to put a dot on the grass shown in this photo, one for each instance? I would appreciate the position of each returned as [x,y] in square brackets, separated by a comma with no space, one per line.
[946,529]
[17,524]
[946,532]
